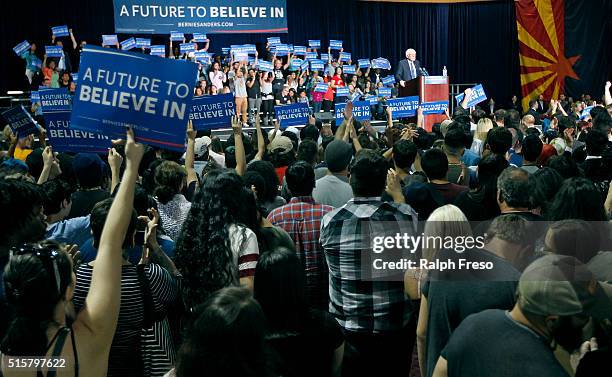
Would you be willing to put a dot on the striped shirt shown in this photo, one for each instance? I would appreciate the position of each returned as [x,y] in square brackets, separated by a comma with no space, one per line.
[134,348]
[301,218]
[244,249]
[359,303]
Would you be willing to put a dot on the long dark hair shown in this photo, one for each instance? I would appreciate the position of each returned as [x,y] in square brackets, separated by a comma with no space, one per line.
[31,289]
[280,289]
[578,198]
[203,249]
[226,338]
[266,169]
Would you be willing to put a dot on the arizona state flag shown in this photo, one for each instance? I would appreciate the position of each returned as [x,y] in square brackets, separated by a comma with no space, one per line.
[562,46]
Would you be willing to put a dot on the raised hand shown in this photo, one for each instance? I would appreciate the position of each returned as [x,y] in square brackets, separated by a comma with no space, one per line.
[133,151]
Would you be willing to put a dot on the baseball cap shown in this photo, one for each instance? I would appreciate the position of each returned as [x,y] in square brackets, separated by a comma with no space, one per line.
[338,155]
[281,143]
[562,285]
[200,146]
[88,169]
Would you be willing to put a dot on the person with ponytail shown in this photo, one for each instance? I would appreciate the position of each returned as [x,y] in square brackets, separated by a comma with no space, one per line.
[172,205]
[39,284]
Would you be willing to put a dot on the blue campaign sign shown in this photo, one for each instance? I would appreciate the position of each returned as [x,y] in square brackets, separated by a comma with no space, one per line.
[21,48]
[128,44]
[202,57]
[345,56]
[478,95]
[290,47]
[349,69]
[335,44]
[36,62]
[75,76]
[57,109]
[188,47]
[266,66]
[53,51]
[60,31]
[143,42]
[55,99]
[296,63]
[273,41]
[304,65]
[403,107]
[364,63]
[586,112]
[204,16]
[20,121]
[381,63]
[373,100]
[299,50]
[314,43]
[292,115]
[342,92]
[389,80]
[34,96]
[199,37]
[384,92]
[361,111]
[282,50]
[321,88]
[250,49]
[438,107]
[311,55]
[158,50]
[325,57]
[120,89]
[225,50]
[177,36]
[109,40]
[212,112]
[317,65]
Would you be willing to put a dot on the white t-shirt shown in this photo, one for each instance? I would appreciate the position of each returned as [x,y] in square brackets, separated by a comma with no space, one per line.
[240,87]
[217,78]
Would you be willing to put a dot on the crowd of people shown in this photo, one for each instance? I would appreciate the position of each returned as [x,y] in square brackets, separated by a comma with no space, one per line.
[246,256]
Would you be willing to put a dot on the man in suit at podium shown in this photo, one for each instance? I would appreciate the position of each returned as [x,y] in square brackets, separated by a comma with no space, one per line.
[408,69]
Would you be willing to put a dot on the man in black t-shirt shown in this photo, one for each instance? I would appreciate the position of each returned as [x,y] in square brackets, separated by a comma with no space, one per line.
[449,297]
[282,98]
[280,75]
[556,296]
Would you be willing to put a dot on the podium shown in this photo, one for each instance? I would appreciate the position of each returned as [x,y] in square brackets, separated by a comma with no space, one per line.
[429,89]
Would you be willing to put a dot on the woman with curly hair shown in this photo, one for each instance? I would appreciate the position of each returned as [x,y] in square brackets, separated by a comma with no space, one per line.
[216,248]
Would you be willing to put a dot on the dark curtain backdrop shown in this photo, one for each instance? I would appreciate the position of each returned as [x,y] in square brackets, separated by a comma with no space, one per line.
[477,42]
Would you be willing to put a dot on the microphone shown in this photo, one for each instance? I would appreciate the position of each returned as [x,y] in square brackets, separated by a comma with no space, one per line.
[424,72]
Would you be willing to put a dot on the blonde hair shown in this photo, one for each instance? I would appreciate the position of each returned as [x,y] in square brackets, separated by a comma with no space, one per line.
[483,128]
[445,221]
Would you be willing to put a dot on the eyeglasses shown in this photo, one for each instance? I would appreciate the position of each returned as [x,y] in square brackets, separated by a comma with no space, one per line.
[46,255]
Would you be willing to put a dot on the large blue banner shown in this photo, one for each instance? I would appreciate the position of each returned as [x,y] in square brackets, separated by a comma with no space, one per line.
[292,115]
[57,109]
[404,107]
[361,111]
[120,89]
[221,16]
[211,112]
[20,121]
[478,95]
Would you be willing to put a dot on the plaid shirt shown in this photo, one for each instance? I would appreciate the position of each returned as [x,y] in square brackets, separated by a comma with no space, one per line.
[358,303]
[301,218]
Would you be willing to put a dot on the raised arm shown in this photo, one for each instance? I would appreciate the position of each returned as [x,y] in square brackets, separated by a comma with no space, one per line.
[114,160]
[239,145]
[192,176]
[348,115]
[101,309]
[73,39]
[466,98]
[607,95]
[261,143]
[289,59]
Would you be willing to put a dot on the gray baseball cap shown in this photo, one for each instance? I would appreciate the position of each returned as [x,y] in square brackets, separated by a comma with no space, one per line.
[562,285]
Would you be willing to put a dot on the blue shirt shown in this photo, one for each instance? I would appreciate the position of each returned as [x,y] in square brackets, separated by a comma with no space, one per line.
[470,158]
[89,252]
[515,158]
[71,231]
